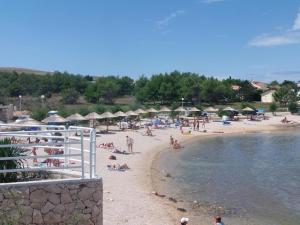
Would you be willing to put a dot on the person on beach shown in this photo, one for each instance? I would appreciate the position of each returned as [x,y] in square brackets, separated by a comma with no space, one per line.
[148,131]
[176,145]
[198,125]
[129,142]
[171,141]
[184,221]
[218,220]
[35,162]
[203,123]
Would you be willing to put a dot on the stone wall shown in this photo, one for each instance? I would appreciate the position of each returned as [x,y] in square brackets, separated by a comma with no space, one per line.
[6,112]
[59,202]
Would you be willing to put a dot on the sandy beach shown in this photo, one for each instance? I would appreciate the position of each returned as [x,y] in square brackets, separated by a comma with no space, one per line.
[128,197]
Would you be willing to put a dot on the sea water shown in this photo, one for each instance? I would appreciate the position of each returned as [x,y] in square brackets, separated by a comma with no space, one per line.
[248,179]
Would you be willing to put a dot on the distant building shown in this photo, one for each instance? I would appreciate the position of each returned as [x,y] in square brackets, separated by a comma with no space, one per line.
[267,96]
[6,112]
[259,85]
[235,87]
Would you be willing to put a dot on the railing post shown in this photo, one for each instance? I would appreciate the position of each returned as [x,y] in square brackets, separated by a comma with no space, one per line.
[94,151]
[82,154]
[91,154]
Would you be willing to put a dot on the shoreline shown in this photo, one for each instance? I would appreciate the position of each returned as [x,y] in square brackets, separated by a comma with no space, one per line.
[172,207]
[128,197]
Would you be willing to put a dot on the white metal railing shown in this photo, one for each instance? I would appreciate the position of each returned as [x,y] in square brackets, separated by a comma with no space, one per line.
[69,149]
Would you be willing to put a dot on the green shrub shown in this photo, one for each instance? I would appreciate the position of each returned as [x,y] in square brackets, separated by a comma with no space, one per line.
[70,96]
[10,164]
[273,108]
[39,113]
[293,107]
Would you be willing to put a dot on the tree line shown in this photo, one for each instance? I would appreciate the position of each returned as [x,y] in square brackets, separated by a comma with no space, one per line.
[164,88]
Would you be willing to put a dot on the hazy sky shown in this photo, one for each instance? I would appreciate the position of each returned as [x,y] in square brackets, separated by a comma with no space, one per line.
[253,39]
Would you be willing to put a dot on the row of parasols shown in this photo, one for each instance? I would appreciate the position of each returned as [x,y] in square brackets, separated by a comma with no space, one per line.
[108,115]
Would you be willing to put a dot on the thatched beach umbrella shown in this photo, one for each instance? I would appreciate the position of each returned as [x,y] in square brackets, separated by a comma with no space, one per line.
[229,109]
[165,109]
[248,109]
[120,114]
[211,110]
[180,109]
[92,117]
[194,109]
[152,110]
[54,119]
[75,117]
[140,111]
[107,115]
[131,113]
[29,122]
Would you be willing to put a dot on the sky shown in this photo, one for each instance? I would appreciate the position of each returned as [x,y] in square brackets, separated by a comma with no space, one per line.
[247,39]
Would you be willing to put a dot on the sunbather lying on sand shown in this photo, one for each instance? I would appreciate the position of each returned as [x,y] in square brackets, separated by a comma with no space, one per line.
[117,151]
[118,167]
[108,145]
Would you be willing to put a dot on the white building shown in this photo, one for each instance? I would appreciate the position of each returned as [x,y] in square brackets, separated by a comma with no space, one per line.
[267,96]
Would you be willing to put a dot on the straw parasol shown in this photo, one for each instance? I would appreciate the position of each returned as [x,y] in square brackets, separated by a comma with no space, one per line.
[248,109]
[211,110]
[140,111]
[229,109]
[93,116]
[131,113]
[165,109]
[29,122]
[54,119]
[180,109]
[120,114]
[152,110]
[107,115]
[194,109]
[75,117]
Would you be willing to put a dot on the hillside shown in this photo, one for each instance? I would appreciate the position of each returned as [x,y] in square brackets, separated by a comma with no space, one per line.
[23,70]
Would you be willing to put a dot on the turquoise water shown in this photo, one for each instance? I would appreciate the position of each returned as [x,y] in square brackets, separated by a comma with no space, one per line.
[248,179]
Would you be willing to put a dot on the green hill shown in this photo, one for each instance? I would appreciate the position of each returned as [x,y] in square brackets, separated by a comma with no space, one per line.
[23,70]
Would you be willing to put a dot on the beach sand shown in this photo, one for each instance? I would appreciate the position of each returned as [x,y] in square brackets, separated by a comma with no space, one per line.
[128,197]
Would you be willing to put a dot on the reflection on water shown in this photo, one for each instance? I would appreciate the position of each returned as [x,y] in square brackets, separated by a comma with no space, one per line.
[255,177]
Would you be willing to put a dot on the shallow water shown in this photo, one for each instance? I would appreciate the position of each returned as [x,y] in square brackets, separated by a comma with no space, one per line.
[248,179]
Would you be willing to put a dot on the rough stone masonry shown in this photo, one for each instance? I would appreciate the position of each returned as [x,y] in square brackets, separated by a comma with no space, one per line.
[58,202]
